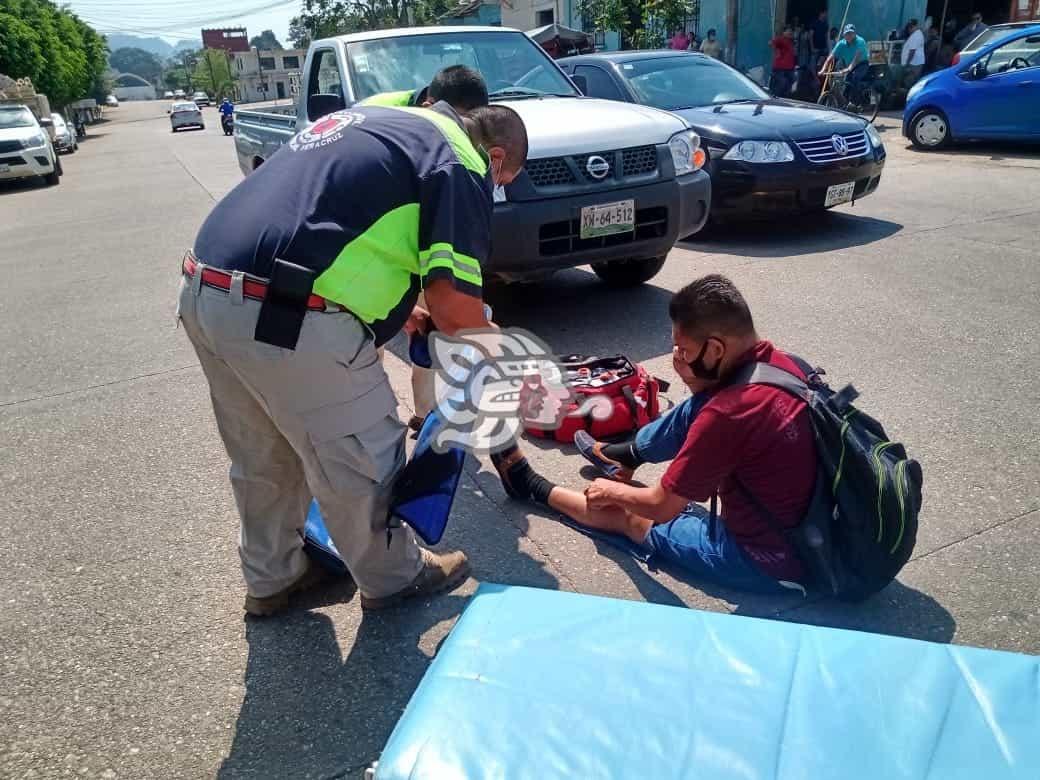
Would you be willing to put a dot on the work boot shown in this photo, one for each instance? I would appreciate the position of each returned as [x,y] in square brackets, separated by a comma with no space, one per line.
[312,576]
[440,573]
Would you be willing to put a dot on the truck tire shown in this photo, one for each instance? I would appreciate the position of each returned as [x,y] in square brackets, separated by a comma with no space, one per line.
[628,273]
[53,178]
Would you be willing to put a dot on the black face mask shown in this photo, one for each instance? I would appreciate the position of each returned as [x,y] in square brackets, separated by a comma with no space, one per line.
[700,370]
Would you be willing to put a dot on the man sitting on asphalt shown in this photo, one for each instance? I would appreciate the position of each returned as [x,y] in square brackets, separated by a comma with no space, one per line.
[463,89]
[747,443]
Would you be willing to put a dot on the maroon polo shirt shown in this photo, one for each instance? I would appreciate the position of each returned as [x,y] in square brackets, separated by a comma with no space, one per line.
[764,437]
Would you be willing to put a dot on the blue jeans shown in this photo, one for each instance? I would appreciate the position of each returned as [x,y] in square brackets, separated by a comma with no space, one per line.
[694,541]
[853,81]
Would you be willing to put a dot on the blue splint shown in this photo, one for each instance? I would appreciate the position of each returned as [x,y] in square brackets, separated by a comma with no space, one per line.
[422,497]
[543,684]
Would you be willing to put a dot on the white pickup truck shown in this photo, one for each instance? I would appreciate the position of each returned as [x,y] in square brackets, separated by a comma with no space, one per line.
[609,184]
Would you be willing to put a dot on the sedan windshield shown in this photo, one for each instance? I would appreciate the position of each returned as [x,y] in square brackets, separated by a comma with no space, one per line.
[185,107]
[15,117]
[511,63]
[687,81]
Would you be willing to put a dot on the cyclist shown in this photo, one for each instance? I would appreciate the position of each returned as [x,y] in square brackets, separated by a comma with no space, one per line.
[853,50]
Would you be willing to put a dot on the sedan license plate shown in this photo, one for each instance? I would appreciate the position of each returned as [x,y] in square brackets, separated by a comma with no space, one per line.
[608,219]
[839,193]
[4,168]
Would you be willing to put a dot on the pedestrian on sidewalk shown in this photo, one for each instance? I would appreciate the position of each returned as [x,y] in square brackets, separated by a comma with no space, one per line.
[297,277]
[913,54]
[783,62]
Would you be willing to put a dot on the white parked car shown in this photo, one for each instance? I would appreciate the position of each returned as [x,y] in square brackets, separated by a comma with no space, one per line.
[185,114]
[178,93]
[25,148]
[201,99]
[64,135]
[168,95]
[111,101]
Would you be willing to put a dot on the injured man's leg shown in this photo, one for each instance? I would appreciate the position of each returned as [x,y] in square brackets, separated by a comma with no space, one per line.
[522,482]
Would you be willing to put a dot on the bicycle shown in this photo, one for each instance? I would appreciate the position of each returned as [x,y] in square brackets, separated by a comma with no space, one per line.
[866,100]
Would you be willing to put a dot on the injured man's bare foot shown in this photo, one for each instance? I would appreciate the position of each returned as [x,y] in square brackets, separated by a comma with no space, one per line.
[522,482]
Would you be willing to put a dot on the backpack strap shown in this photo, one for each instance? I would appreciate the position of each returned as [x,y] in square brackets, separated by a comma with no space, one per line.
[767,374]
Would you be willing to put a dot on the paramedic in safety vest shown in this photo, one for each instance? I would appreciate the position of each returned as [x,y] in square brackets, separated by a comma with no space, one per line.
[463,89]
[297,277]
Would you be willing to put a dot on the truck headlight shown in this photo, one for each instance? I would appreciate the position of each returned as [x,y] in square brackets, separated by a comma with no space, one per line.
[35,141]
[687,155]
[873,135]
[760,152]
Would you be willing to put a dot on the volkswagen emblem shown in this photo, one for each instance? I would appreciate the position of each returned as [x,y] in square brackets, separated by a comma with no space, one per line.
[841,146]
[597,167]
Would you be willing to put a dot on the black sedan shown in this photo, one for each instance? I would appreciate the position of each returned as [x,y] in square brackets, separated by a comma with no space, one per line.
[766,156]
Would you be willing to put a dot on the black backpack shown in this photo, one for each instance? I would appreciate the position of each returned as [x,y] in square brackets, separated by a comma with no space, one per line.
[861,525]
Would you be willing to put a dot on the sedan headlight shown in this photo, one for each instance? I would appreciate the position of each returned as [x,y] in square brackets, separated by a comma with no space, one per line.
[35,141]
[687,155]
[873,135]
[760,152]
[914,90]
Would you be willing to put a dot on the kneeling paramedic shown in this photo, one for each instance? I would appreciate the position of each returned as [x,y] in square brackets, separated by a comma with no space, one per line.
[751,445]
[297,276]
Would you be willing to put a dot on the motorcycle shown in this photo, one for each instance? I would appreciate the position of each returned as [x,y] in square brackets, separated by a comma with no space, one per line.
[227,124]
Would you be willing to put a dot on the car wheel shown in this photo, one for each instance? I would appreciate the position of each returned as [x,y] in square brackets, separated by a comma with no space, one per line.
[628,273]
[929,129]
[202,127]
[57,166]
[53,178]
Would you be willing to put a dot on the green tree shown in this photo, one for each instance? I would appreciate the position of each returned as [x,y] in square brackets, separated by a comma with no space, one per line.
[212,74]
[64,57]
[322,18]
[137,61]
[643,24]
[265,40]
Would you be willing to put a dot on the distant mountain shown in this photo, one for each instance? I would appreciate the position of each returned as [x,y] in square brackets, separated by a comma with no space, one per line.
[156,46]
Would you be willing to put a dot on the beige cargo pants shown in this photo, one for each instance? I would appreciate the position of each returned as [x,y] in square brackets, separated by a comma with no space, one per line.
[321,421]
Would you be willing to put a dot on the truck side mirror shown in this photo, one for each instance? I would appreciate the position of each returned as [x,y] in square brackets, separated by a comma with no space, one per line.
[581,83]
[323,103]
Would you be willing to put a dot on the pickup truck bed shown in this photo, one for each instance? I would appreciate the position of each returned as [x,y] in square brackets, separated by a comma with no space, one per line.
[261,131]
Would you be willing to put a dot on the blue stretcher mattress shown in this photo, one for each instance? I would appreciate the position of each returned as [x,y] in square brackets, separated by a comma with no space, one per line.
[542,684]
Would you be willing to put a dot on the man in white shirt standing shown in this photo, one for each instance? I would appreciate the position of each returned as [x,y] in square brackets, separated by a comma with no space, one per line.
[913,54]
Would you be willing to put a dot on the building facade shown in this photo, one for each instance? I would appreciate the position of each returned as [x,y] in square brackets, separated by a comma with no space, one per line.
[230,39]
[267,74]
[487,13]
[531,14]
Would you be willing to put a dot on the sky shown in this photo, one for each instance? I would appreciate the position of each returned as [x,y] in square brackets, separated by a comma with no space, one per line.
[175,20]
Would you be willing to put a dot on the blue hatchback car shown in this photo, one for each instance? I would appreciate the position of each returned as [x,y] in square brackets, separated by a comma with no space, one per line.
[994,93]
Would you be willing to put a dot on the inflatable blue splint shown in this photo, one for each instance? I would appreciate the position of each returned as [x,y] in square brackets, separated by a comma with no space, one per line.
[422,497]
[543,684]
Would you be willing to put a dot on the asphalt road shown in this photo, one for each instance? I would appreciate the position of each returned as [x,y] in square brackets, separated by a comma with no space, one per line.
[124,649]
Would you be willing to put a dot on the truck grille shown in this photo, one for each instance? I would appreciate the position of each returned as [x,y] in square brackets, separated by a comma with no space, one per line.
[549,172]
[556,171]
[561,238]
[10,146]
[823,150]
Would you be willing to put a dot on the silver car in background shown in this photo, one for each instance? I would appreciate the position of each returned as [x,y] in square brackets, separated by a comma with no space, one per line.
[64,135]
[185,115]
